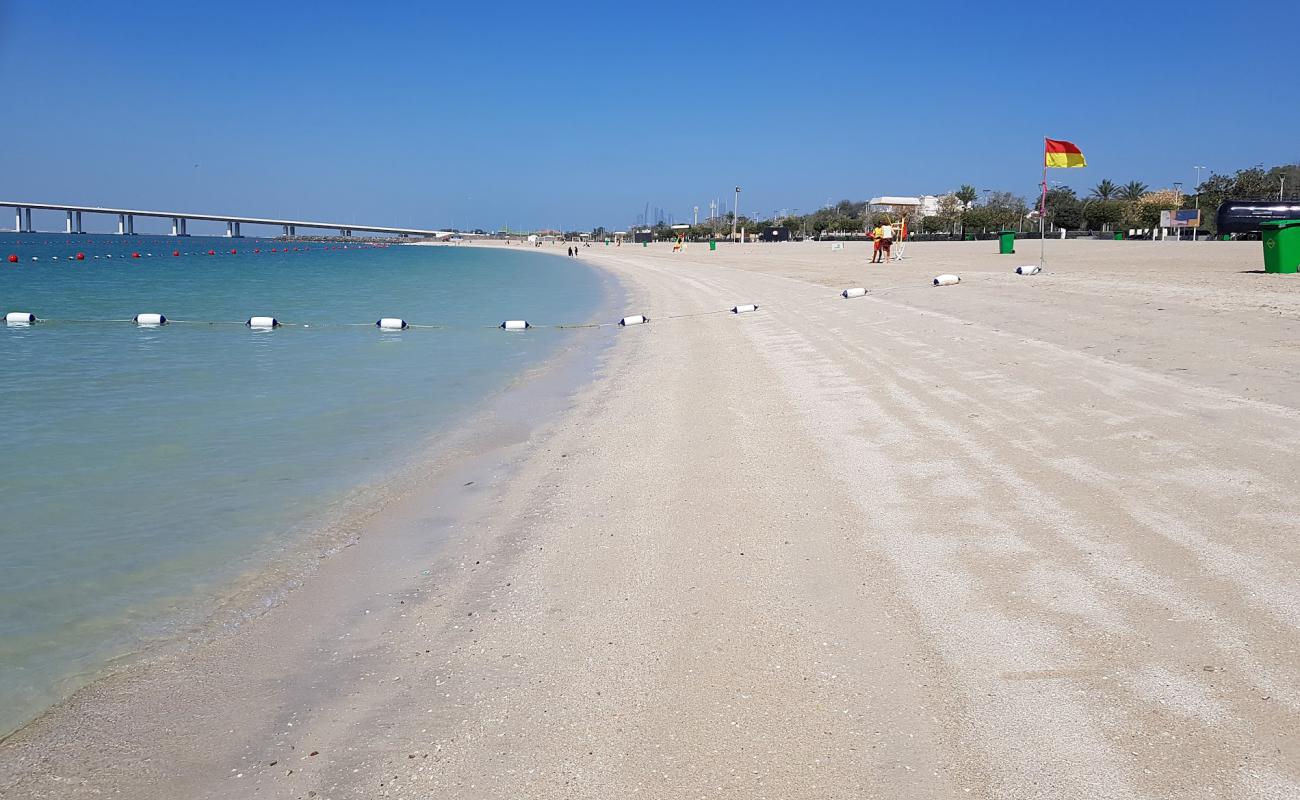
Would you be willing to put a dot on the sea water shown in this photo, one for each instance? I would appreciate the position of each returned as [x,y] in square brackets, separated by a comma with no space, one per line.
[142,467]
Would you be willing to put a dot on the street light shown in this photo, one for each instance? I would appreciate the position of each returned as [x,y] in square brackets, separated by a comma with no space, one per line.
[735,214]
[1178,189]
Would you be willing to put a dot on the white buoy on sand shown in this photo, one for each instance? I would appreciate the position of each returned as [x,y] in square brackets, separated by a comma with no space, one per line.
[856,291]
[150,319]
[1029,269]
[515,325]
[19,318]
[392,324]
[263,322]
[744,309]
[946,280]
[638,319]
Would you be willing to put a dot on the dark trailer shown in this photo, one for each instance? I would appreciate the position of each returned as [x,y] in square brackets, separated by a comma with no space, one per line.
[780,234]
[1244,216]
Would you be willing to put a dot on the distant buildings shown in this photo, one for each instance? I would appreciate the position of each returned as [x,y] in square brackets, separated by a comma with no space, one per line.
[927,205]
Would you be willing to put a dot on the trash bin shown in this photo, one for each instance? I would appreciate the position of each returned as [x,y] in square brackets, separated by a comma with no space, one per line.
[1281,244]
[1119,235]
[1006,242]
[713,244]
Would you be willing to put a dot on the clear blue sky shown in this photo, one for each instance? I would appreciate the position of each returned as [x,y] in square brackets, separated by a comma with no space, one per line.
[486,113]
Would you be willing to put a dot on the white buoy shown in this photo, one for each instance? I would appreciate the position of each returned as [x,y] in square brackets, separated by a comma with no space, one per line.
[263,322]
[150,319]
[1029,269]
[34,258]
[515,325]
[743,309]
[946,280]
[856,291]
[639,319]
[392,324]
[20,318]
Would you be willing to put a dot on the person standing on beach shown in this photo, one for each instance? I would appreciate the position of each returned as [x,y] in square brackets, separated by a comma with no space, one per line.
[886,240]
[875,245]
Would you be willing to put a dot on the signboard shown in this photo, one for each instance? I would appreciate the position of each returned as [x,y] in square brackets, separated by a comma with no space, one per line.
[1181,218]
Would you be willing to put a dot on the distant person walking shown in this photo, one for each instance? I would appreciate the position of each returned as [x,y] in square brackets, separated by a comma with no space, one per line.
[886,240]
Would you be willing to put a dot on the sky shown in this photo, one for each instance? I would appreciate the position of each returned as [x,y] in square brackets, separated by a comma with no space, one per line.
[576,115]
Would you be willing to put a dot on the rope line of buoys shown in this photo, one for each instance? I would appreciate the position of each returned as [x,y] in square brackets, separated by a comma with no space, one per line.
[264,322]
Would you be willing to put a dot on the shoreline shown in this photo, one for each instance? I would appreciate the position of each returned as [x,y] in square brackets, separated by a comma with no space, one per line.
[1012,538]
[253,592]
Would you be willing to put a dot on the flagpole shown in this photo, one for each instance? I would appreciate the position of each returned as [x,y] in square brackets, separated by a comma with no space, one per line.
[1042,213]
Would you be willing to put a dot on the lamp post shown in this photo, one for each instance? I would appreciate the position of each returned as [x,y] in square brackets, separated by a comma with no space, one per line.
[735,214]
[1178,189]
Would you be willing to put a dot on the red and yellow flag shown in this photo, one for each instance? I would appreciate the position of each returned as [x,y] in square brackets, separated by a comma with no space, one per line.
[1062,154]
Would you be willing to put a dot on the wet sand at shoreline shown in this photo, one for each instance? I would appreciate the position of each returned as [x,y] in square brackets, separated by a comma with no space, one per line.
[1024,537]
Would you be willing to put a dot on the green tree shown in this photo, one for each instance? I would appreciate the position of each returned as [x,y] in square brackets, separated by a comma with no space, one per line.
[934,224]
[1132,191]
[966,195]
[1103,214]
[1286,178]
[1063,208]
[1105,190]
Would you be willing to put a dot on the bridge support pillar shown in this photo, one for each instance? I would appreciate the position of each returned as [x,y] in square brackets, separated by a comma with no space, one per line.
[68,229]
[130,224]
[238,235]
[78,228]
[18,221]
[27,221]
[176,227]
[121,224]
[230,229]
[183,231]
[293,231]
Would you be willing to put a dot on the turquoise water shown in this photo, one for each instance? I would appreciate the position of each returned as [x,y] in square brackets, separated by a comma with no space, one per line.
[144,466]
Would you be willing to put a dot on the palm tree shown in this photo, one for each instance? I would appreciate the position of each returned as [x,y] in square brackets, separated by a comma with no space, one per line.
[1132,191]
[966,194]
[1104,190]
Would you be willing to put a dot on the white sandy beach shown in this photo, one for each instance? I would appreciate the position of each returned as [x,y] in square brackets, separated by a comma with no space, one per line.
[1024,537]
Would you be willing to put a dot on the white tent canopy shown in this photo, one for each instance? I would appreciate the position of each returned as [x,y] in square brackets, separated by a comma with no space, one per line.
[895,201]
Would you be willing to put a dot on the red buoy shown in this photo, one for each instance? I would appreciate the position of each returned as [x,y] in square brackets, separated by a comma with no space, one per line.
[176,252]
[135,255]
[81,256]
[272,249]
[212,252]
[232,251]
[13,259]
[257,249]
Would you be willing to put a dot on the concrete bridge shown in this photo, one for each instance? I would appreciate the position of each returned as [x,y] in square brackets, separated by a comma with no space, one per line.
[126,221]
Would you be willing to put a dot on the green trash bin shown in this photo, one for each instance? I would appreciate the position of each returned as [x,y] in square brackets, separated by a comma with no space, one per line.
[645,244]
[1006,242]
[1281,245]
[713,245]
[1119,236]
